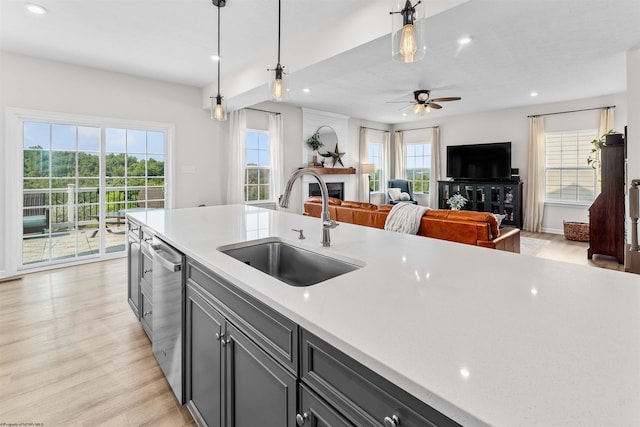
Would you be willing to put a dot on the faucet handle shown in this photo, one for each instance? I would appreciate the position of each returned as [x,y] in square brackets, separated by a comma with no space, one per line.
[329,223]
[301,236]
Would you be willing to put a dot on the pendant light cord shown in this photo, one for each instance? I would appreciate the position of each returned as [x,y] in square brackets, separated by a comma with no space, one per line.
[279,19]
[219,57]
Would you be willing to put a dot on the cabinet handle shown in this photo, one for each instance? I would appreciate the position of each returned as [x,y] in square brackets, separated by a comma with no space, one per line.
[394,421]
[219,336]
[146,313]
[147,271]
[301,419]
[148,239]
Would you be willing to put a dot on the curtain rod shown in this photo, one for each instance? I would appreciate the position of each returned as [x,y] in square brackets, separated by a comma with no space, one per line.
[572,111]
[381,130]
[428,127]
[262,111]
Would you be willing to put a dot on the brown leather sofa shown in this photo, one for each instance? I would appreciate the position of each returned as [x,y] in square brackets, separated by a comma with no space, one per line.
[472,228]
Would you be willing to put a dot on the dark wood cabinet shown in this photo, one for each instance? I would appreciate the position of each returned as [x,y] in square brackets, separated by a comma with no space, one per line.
[500,197]
[606,214]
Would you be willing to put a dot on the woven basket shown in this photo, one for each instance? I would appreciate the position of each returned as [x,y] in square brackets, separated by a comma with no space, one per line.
[576,231]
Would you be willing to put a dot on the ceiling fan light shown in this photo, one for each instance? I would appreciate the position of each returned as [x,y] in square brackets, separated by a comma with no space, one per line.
[418,109]
[407,31]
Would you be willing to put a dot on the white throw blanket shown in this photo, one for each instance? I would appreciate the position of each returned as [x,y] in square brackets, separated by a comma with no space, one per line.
[404,218]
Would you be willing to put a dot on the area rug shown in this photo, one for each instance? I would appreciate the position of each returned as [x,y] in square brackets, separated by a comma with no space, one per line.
[531,246]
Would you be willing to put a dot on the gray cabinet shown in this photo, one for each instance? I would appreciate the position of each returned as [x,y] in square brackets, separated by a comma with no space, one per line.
[234,374]
[204,374]
[146,283]
[359,394]
[133,262]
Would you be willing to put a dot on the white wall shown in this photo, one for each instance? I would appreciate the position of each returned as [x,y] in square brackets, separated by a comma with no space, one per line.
[31,83]
[513,125]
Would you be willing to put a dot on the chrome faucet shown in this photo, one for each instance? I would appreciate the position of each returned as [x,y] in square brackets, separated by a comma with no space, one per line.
[327,222]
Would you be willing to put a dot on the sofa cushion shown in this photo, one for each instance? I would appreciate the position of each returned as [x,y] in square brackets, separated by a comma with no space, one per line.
[318,199]
[361,205]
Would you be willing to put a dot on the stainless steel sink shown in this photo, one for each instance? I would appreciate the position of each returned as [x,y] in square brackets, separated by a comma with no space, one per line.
[290,264]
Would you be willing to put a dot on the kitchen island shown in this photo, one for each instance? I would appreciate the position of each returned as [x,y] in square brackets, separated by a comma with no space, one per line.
[485,337]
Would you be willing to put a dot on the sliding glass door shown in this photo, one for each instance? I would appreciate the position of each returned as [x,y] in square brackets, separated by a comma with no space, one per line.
[78,182]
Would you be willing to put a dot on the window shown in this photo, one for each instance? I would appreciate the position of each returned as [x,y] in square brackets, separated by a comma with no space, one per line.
[568,176]
[257,178]
[374,156]
[418,166]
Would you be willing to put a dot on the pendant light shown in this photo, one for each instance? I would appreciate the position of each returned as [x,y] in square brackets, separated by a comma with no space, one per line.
[277,89]
[218,103]
[407,31]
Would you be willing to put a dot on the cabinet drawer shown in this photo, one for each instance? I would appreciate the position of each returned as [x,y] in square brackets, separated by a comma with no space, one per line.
[317,413]
[147,267]
[276,334]
[363,396]
[146,315]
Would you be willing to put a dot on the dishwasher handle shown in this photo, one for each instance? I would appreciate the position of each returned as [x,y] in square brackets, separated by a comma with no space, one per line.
[159,253]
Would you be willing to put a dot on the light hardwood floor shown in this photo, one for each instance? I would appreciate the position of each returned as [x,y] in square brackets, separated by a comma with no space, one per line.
[570,251]
[73,354]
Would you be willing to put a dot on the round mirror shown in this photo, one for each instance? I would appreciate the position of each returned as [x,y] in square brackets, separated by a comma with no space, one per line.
[328,137]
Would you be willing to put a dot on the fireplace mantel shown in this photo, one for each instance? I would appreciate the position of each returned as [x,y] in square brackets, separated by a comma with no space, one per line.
[333,171]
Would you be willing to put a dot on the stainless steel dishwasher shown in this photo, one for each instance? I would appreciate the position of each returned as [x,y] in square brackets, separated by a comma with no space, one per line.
[168,290]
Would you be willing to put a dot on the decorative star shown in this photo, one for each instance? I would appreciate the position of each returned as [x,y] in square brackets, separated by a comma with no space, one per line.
[336,156]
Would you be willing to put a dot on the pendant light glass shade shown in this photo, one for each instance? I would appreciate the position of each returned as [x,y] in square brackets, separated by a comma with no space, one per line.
[277,84]
[408,37]
[218,108]
[278,87]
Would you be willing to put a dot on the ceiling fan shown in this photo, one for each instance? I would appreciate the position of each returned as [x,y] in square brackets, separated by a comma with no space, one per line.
[423,103]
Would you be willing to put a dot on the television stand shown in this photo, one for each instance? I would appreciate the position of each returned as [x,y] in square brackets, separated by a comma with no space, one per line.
[498,197]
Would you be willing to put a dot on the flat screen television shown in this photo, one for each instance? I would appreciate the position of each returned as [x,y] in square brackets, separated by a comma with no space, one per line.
[486,162]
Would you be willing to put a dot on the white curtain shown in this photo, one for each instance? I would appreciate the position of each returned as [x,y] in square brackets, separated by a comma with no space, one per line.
[534,203]
[386,144]
[606,121]
[399,169]
[276,148]
[364,158]
[435,168]
[237,139]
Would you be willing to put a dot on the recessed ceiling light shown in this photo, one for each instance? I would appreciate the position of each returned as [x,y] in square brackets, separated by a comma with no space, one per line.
[464,40]
[533,94]
[404,114]
[36,9]
[306,90]
[215,58]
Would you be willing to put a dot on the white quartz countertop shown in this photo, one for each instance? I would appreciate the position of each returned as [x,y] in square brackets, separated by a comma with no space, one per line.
[484,336]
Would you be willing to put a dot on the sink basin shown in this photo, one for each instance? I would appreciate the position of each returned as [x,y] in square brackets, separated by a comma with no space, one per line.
[290,264]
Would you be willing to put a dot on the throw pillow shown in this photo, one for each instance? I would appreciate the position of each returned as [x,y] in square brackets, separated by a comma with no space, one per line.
[394,193]
[405,196]
[499,218]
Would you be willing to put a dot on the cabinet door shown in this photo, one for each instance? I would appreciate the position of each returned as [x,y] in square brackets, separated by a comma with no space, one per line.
[509,203]
[204,373]
[314,412]
[134,276]
[259,391]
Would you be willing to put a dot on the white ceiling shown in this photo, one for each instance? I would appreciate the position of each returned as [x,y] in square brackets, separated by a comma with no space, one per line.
[563,49]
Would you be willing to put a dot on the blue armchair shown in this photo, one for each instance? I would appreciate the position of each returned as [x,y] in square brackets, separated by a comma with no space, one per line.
[405,187]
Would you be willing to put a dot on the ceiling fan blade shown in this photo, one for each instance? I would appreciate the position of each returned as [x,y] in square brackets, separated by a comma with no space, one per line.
[406,106]
[398,102]
[451,98]
[434,105]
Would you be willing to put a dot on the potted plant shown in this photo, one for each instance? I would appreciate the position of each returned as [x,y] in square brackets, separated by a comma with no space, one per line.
[314,142]
[457,201]
[594,157]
